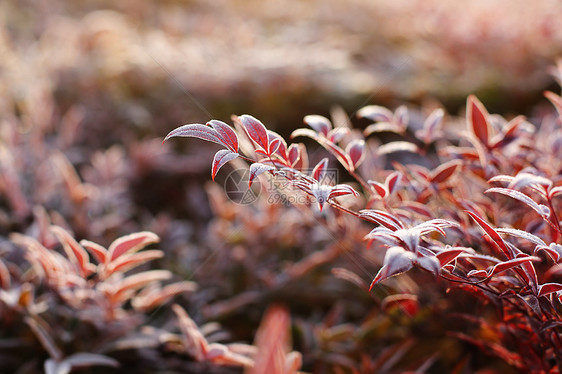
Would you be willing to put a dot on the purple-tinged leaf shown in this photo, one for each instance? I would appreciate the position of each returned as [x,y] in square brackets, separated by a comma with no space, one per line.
[320,124]
[127,262]
[501,178]
[280,149]
[321,193]
[496,238]
[256,131]
[523,235]
[549,288]
[542,210]
[396,261]
[221,158]
[257,169]
[376,113]
[337,134]
[197,130]
[477,119]
[398,146]
[444,171]
[392,181]
[226,133]
[293,154]
[356,151]
[320,169]
[429,263]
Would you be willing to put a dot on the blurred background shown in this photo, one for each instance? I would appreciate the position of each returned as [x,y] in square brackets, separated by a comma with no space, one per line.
[88,90]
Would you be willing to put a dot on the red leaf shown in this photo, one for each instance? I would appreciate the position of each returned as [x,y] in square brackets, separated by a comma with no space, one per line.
[320,124]
[496,238]
[75,252]
[257,169]
[355,149]
[405,302]
[393,181]
[379,188]
[221,158]
[477,119]
[548,288]
[444,171]
[131,243]
[226,133]
[450,254]
[256,131]
[320,169]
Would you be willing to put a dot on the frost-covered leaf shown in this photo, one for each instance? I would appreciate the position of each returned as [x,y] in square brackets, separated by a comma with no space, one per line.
[477,119]
[256,169]
[320,124]
[256,131]
[221,157]
[396,261]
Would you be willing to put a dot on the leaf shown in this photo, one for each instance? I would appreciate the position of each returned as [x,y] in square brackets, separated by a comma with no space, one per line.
[256,169]
[496,238]
[477,119]
[337,134]
[194,342]
[542,210]
[44,337]
[431,125]
[406,303]
[340,190]
[549,288]
[320,124]
[398,146]
[444,171]
[376,113]
[129,284]
[127,262]
[197,130]
[396,261]
[221,158]
[450,254]
[131,243]
[555,192]
[378,188]
[382,218]
[99,252]
[226,134]
[75,252]
[256,131]
[401,117]
[158,296]
[392,181]
[503,266]
[356,151]
[523,235]
[84,359]
[556,100]
[272,340]
[320,169]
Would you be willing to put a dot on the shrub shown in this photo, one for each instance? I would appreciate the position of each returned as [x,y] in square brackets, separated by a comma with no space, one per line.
[478,208]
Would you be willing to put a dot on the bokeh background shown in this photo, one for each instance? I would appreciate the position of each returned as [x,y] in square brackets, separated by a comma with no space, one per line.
[88,90]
